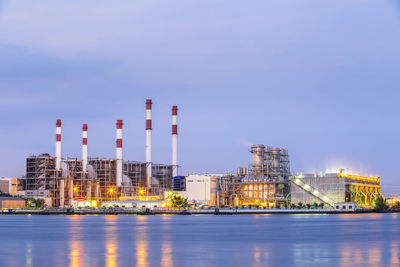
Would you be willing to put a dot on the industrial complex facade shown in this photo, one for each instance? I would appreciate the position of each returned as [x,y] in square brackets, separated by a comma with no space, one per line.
[267,182]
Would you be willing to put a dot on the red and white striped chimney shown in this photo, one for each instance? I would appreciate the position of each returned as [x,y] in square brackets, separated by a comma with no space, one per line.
[119,154]
[58,145]
[174,141]
[148,142]
[84,148]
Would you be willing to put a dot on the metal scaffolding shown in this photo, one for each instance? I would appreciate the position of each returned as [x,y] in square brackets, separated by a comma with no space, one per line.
[266,181]
[98,183]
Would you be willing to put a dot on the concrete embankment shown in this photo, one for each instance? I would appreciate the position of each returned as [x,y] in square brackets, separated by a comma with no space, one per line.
[179,211]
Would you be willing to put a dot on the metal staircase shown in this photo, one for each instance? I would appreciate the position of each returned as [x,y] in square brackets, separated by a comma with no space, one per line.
[309,189]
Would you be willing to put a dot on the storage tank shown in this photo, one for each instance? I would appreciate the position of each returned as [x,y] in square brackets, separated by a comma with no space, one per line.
[276,159]
[241,171]
[213,191]
[258,152]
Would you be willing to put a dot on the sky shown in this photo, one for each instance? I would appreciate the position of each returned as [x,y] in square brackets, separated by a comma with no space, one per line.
[319,78]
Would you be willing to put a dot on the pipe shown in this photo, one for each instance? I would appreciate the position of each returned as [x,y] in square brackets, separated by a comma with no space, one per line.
[84,148]
[89,190]
[148,143]
[174,141]
[119,153]
[62,190]
[58,145]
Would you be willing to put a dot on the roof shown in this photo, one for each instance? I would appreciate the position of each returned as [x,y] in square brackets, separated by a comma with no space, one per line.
[11,198]
[134,201]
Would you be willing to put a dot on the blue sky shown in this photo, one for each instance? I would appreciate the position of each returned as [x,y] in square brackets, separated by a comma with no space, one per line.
[319,78]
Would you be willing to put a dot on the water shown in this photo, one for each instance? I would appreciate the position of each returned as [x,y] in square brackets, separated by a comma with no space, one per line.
[239,240]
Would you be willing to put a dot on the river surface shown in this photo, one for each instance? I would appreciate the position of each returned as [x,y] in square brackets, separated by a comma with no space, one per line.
[204,240]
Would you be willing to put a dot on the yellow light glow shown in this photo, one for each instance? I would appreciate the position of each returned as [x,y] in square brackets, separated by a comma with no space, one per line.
[141,191]
[374,179]
[75,189]
[111,190]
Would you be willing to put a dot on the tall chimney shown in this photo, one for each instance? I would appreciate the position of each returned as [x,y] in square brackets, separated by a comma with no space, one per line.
[58,145]
[84,148]
[119,153]
[148,142]
[174,141]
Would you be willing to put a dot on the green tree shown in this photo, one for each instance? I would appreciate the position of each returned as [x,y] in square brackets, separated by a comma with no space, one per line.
[40,203]
[395,205]
[308,206]
[380,204]
[37,203]
[300,205]
[178,201]
[28,202]
[314,205]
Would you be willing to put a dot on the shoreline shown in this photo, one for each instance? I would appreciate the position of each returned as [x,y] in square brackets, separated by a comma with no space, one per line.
[190,212]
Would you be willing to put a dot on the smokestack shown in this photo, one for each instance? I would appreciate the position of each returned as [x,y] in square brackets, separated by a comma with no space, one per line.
[58,145]
[148,142]
[119,153]
[84,148]
[174,141]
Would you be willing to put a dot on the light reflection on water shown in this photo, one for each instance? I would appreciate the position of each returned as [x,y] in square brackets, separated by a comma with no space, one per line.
[29,254]
[394,249]
[75,243]
[166,246]
[141,241]
[284,240]
[257,256]
[111,241]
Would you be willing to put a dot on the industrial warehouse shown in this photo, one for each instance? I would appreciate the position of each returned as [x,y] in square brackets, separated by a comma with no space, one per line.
[265,183]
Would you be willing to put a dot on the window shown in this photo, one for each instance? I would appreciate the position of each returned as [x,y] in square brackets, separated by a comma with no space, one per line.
[343,207]
[337,207]
[350,207]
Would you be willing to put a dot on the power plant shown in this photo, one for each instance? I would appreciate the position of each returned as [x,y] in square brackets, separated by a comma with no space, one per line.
[266,182]
[61,181]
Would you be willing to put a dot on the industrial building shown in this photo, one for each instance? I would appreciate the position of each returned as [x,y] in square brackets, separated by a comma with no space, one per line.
[64,180]
[139,204]
[201,189]
[332,188]
[10,186]
[11,203]
[265,182]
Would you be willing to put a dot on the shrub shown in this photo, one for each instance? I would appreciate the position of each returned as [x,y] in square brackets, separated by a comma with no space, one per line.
[380,204]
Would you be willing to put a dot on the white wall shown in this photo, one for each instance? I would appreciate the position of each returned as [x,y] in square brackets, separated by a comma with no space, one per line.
[197,188]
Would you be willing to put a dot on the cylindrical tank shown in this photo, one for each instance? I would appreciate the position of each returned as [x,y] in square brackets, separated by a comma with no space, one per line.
[258,152]
[276,159]
[213,190]
[241,171]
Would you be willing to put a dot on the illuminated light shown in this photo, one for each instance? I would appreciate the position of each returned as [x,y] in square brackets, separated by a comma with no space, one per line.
[111,190]
[75,189]
[141,192]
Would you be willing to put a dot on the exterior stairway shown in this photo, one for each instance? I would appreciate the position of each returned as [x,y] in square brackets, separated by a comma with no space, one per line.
[309,189]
